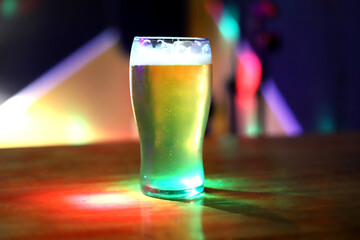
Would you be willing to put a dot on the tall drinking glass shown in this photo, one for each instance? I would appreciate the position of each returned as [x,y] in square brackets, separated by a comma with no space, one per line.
[170,82]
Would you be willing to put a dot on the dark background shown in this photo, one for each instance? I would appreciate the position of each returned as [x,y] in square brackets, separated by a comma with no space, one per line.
[316,67]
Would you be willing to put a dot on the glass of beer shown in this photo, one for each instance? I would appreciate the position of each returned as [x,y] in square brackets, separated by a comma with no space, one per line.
[170,82]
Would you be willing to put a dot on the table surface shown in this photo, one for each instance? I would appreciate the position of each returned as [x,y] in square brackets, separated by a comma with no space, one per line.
[265,188]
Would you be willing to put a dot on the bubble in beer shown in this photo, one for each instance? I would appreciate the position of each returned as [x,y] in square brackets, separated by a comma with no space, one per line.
[145,42]
[206,49]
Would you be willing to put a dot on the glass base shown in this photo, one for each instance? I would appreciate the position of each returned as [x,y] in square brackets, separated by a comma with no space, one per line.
[190,193]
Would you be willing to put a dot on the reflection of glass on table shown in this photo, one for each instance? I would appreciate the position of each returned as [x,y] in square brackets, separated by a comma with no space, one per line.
[171,91]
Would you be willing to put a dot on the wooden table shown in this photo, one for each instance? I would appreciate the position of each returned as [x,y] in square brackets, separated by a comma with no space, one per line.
[298,188]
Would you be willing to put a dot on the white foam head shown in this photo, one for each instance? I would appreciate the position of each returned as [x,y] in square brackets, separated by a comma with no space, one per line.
[170,51]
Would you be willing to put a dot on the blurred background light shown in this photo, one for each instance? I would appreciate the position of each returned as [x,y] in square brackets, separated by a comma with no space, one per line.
[325,120]
[248,74]
[247,82]
[280,108]
[226,17]
[9,7]
[79,130]
[229,27]
[65,106]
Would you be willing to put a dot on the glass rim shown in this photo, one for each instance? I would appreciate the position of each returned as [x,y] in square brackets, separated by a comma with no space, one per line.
[171,38]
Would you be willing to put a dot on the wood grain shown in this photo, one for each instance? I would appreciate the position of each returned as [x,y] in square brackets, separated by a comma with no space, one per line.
[264,188]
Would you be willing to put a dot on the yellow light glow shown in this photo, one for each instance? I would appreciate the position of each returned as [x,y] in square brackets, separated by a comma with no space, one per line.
[193,141]
[56,109]
[78,131]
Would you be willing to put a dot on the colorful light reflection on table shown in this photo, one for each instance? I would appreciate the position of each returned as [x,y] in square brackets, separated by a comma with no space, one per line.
[112,200]
[114,206]
[285,187]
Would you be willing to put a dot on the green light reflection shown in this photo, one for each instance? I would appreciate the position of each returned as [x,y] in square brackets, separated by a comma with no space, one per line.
[234,183]
[79,131]
[229,27]
[253,129]
[325,121]
[9,7]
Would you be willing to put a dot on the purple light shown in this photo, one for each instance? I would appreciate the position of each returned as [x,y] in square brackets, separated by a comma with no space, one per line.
[280,108]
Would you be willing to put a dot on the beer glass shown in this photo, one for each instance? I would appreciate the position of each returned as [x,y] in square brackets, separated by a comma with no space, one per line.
[170,82]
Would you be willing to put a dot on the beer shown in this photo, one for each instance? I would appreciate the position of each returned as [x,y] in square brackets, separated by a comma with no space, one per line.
[171,100]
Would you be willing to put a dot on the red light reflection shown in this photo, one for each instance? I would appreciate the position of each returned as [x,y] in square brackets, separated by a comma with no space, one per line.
[67,212]
[86,205]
